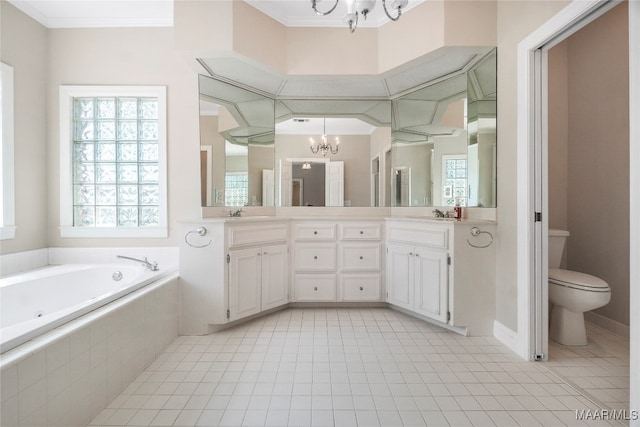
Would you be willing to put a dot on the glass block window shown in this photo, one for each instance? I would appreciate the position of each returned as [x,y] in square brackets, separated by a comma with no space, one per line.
[454,187]
[236,189]
[117,164]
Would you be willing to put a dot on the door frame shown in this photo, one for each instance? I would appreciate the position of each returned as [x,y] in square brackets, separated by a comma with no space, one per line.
[532,244]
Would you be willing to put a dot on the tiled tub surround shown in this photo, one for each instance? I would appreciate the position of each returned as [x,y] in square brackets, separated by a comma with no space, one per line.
[38,301]
[69,375]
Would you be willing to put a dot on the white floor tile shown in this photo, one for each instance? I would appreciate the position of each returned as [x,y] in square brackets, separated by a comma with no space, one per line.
[367,367]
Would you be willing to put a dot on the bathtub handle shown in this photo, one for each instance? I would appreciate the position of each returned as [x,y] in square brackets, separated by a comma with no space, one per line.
[200,231]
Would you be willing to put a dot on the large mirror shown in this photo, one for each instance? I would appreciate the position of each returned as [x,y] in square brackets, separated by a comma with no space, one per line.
[444,141]
[236,145]
[325,149]
[434,145]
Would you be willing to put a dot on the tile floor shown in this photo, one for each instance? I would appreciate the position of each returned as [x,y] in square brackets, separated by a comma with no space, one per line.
[600,370]
[347,367]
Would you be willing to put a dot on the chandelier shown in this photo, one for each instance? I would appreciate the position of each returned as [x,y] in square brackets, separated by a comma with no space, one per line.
[355,8]
[324,146]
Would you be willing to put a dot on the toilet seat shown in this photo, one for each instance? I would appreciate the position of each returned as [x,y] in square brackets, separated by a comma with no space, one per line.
[576,280]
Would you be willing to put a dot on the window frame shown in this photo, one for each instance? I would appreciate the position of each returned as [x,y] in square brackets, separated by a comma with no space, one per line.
[7,180]
[67,94]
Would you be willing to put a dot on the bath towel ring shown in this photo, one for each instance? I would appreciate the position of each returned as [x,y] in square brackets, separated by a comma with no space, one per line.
[200,231]
[475,232]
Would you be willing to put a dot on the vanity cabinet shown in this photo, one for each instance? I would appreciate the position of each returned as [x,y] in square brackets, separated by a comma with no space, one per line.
[337,260]
[417,278]
[418,262]
[439,270]
[258,279]
[258,267]
[238,268]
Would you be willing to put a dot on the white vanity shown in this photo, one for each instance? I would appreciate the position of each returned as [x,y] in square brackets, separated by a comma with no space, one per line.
[433,269]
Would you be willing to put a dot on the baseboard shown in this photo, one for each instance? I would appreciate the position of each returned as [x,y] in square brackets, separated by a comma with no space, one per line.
[605,323]
[506,336]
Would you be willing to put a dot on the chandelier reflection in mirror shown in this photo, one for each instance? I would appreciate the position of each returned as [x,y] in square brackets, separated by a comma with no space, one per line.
[324,146]
[355,8]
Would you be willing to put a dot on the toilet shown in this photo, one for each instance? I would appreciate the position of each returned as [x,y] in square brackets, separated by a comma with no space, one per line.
[571,294]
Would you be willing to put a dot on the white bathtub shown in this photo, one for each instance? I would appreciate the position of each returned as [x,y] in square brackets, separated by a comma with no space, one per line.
[38,301]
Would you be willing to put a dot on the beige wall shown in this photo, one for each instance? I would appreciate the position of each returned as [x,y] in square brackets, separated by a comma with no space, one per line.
[516,20]
[128,57]
[24,47]
[595,191]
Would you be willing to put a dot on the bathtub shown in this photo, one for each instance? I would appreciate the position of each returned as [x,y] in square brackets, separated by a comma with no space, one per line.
[39,301]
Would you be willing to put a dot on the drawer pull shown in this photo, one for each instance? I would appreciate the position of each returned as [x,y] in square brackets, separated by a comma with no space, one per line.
[361,288]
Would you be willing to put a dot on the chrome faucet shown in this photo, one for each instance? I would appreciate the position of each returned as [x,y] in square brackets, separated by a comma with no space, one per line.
[438,213]
[145,262]
[236,214]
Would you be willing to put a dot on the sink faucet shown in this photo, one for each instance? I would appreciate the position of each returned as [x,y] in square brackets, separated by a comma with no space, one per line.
[438,213]
[145,262]
[236,214]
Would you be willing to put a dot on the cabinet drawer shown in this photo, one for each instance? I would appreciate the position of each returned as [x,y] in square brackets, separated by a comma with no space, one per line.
[315,257]
[314,231]
[257,234]
[360,256]
[425,236]
[315,287]
[360,287]
[361,231]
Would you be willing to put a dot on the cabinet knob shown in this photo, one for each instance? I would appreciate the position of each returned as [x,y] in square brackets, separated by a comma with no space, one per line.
[315,288]
[315,257]
[410,253]
[361,288]
[361,257]
[315,232]
[361,232]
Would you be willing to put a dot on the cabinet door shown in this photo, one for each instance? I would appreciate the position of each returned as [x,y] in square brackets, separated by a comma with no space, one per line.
[245,267]
[399,281]
[431,278]
[275,276]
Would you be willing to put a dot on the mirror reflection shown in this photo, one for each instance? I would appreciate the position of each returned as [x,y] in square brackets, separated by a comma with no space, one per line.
[444,141]
[236,146]
[341,176]
[432,146]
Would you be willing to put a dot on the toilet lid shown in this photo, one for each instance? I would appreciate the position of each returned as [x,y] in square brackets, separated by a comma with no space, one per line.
[576,280]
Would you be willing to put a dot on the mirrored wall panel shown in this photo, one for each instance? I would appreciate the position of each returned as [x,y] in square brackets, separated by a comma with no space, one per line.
[236,145]
[444,141]
[434,145]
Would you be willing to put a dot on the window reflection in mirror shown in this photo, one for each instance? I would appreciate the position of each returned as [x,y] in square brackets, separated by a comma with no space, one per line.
[444,141]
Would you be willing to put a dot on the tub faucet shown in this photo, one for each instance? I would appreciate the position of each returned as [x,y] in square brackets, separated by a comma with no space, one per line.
[145,262]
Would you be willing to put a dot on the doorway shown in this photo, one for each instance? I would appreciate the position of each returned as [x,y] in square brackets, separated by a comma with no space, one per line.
[532,340]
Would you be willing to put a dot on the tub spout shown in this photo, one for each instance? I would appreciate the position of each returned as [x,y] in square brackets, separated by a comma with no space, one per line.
[145,262]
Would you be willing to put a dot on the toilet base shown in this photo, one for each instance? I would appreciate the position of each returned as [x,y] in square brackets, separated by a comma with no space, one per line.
[567,327]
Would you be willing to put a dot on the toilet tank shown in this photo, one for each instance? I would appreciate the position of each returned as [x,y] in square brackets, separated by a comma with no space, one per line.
[557,242]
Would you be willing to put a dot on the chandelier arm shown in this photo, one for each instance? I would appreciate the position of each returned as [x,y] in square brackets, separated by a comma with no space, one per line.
[353,24]
[384,5]
[314,4]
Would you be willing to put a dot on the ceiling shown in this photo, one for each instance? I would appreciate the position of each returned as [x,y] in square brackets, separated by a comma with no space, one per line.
[98,13]
[159,13]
